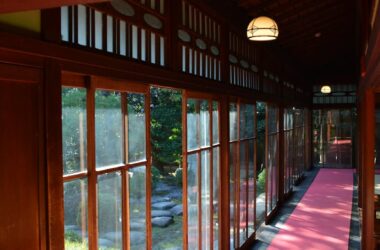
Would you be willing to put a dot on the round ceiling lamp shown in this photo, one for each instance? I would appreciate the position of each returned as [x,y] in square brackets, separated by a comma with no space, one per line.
[326,89]
[262,28]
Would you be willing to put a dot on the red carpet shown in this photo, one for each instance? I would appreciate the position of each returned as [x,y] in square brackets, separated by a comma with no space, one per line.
[321,220]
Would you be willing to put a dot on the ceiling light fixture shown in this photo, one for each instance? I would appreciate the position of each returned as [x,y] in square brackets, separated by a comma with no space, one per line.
[326,89]
[262,28]
[317,35]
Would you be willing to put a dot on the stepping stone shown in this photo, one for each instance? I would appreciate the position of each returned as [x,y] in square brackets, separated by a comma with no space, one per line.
[156,199]
[177,210]
[162,221]
[105,243]
[161,213]
[163,205]
[113,236]
[137,226]
[137,237]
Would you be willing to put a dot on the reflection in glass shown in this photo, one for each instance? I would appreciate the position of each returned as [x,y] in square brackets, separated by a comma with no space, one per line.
[192,203]
[75,203]
[233,153]
[74,130]
[215,196]
[136,127]
[204,124]
[109,211]
[243,194]
[192,124]
[108,127]
[251,188]
[233,122]
[137,207]
[215,123]
[205,194]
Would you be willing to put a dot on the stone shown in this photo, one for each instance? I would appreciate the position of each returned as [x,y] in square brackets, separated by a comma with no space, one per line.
[113,236]
[162,221]
[161,213]
[105,243]
[177,210]
[175,194]
[156,199]
[137,237]
[163,205]
[137,226]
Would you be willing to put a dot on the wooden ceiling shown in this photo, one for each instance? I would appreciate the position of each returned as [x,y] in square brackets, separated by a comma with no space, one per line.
[332,55]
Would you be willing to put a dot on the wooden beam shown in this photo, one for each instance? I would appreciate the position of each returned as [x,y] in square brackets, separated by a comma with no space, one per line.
[24,5]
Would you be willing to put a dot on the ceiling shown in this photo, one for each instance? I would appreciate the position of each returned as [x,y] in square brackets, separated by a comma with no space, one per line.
[331,56]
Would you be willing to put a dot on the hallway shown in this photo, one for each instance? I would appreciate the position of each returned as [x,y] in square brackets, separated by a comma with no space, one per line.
[317,216]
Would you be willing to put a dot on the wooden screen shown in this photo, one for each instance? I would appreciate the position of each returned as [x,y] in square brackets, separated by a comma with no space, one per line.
[272,157]
[201,173]
[243,62]
[242,172]
[299,144]
[288,150]
[105,166]
[199,37]
[130,29]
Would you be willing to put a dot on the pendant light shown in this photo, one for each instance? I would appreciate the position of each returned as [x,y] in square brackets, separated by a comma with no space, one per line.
[262,28]
[326,89]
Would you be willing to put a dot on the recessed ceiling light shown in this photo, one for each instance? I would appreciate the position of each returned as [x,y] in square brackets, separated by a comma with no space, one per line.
[317,35]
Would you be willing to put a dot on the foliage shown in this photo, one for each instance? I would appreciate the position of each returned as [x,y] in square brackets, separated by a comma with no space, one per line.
[261,182]
[178,176]
[166,127]
[155,176]
[73,237]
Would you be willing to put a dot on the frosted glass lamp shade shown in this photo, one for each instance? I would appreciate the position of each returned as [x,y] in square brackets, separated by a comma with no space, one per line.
[262,29]
[326,89]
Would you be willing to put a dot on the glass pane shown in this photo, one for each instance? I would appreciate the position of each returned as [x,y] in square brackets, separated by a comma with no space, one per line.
[233,153]
[215,122]
[192,124]
[233,122]
[260,166]
[204,123]
[215,203]
[74,130]
[108,128]
[251,188]
[137,207]
[206,199]
[109,211]
[192,204]
[75,202]
[82,25]
[136,128]
[243,194]
[246,121]
[166,141]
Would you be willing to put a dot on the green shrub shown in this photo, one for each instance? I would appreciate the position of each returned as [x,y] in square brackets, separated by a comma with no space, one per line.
[72,237]
[261,182]
[155,176]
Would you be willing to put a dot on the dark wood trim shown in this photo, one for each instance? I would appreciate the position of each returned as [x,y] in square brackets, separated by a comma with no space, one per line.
[54,162]
[15,6]
[368,169]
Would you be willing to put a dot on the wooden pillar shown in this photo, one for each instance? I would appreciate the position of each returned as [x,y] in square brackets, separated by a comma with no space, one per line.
[368,169]
[224,175]
[53,141]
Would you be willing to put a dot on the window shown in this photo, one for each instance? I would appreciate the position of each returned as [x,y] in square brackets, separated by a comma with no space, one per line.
[105,166]
[242,172]
[202,173]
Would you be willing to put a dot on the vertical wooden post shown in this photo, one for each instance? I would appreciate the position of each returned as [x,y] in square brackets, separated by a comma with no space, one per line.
[54,165]
[224,175]
[368,168]
[224,52]
[173,53]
